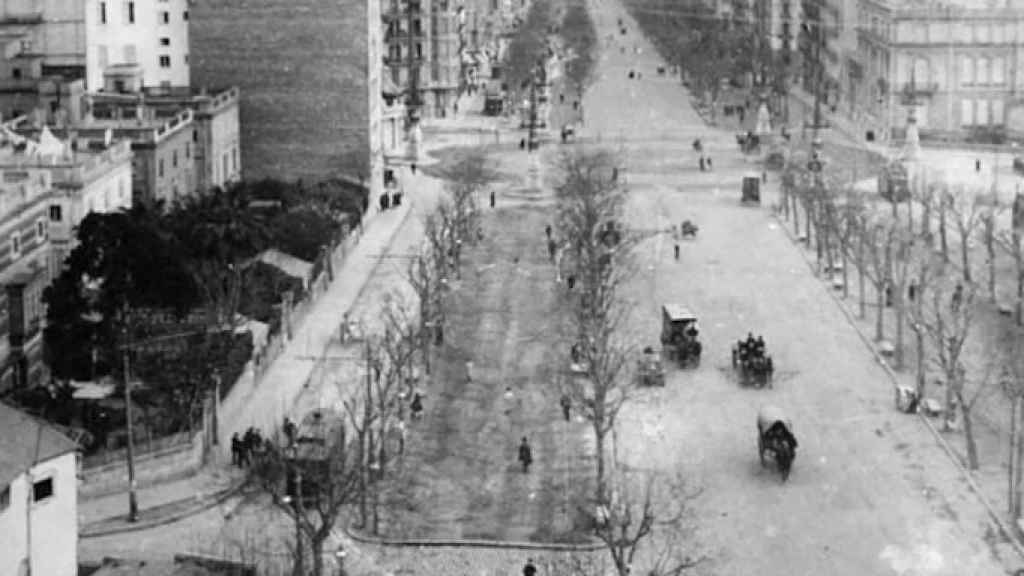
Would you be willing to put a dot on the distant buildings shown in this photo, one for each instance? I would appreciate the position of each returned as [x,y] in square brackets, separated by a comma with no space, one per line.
[423,52]
[47,186]
[50,35]
[151,34]
[38,498]
[956,62]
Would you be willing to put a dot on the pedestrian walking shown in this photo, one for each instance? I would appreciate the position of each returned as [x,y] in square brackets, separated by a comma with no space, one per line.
[566,404]
[492,198]
[977,165]
[570,282]
[709,163]
[469,371]
[529,569]
[701,163]
[413,167]
[547,230]
[552,250]
[236,450]
[525,456]
[958,298]
[615,173]
[677,251]
[289,430]
[912,290]
[416,407]
[401,436]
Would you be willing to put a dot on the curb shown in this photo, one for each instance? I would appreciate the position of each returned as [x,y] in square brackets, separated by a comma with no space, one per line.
[1007,531]
[126,527]
[362,538]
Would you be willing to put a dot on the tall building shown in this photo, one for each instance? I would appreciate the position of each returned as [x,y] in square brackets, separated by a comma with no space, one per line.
[956,62]
[423,53]
[38,497]
[309,78]
[152,34]
[827,42]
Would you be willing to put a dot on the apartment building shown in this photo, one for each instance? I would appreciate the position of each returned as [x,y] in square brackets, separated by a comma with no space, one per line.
[38,497]
[955,62]
[151,34]
[424,53]
[51,34]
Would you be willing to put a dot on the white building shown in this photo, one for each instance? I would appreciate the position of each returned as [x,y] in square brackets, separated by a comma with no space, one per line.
[38,498]
[150,33]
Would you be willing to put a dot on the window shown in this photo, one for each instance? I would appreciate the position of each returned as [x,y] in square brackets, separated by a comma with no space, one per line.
[174,159]
[16,73]
[5,498]
[165,41]
[160,168]
[419,51]
[184,15]
[55,213]
[997,112]
[981,112]
[129,12]
[130,54]
[15,244]
[188,150]
[165,61]
[998,71]
[981,71]
[966,71]
[101,56]
[165,17]
[41,228]
[967,113]
[103,12]
[42,489]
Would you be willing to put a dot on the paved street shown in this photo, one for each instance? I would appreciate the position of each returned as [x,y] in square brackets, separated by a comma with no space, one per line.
[870,493]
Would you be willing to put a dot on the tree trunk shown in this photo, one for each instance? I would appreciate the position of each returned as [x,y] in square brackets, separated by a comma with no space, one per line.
[599,437]
[972,446]
[846,275]
[964,257]
[861,285]
[363,511]
[1019,483]
[317,545]
[919,333]
[990,248]
[880,297]
[926,219]
[1018,261]
[807,222]
[796,216]
[899,326]
[943,235]
[1011,493]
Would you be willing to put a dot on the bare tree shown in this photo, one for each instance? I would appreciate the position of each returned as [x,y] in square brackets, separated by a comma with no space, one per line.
[362,415]
[656,515]
[925,268]
[990,209]
[853,242]
[948,323]
[1012,387]
[879,236]
[966,211]
[315,482]
[1010,241]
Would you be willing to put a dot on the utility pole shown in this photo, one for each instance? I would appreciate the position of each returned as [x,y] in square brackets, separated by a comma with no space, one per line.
[133,504]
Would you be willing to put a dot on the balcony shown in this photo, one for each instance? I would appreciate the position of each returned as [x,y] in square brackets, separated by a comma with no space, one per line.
[910,91]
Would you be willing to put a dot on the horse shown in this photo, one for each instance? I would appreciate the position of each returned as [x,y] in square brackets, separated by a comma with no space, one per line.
[775,435]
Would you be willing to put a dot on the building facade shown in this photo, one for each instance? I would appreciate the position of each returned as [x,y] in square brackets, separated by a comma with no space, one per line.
[424,53]
[38,497]
[163,167]
[827,43]
[957,64]
[53,33]
[152,34]
[303,68]
[216,150]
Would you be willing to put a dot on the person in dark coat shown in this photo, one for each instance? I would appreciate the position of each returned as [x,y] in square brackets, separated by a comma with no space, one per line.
[566,404]
[529,569]
[236,450]
[677,250]
[417,405]
[547,230]
[525,455]
[492,198]
[289,430]
[701,163]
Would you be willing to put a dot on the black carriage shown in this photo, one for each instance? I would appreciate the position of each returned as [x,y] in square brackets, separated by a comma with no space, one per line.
[753,364]
[751,191]
[749,143]
[688,229]
[679,335]
[775,437]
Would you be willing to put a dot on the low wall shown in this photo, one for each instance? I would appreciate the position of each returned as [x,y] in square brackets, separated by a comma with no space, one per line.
[152,467]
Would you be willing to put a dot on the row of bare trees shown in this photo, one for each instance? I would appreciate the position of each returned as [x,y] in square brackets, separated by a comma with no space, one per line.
[598,253]
[349,460]
[903,247]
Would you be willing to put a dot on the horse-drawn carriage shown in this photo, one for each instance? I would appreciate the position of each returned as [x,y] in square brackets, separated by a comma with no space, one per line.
[688,228]
[775,436]
[752,363]
[751,191]
[749,143]
[679,335]
[649,371]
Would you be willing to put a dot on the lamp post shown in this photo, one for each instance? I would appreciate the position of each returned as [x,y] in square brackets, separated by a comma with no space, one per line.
[339,557]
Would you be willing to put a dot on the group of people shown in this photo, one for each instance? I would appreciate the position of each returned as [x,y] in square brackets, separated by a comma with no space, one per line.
[752,347]
[705,161]
[245,449]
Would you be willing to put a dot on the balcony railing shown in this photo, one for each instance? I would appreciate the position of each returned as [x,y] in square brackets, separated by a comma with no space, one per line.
[912,90]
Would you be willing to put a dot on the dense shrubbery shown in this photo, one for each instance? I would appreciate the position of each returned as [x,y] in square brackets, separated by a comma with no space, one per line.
[262,288]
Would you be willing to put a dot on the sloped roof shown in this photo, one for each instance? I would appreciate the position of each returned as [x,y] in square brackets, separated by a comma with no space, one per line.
[287,263]
[25,441]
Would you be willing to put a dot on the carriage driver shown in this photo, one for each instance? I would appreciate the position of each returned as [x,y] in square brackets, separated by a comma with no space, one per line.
[759,346]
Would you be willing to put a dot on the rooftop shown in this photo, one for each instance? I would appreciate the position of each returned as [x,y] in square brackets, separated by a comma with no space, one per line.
[25,441]
[938,8]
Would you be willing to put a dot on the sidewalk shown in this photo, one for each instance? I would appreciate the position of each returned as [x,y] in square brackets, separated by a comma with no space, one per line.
[159,504]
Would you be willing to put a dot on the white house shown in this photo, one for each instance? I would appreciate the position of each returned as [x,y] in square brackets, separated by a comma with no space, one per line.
[150,33]
[38,498]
